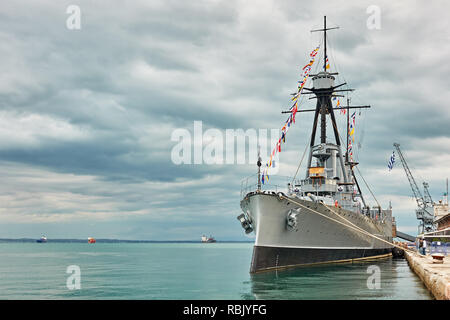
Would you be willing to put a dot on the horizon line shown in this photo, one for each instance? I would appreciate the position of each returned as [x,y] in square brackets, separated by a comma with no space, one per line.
[114,239]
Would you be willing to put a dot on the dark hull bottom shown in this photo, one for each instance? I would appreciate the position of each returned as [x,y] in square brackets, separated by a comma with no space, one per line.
[271,258]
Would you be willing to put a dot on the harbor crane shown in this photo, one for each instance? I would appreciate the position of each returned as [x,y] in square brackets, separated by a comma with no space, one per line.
[424,212]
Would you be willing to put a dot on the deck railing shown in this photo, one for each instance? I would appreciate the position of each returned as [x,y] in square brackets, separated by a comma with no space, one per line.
[275,183]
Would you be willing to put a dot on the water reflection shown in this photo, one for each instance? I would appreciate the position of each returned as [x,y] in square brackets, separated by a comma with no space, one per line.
[343,281]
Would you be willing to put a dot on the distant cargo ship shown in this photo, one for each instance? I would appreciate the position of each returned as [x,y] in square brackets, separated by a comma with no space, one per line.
[91,240]
[43,239]
[205,239]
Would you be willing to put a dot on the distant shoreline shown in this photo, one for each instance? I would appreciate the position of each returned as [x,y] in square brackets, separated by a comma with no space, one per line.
[115,241]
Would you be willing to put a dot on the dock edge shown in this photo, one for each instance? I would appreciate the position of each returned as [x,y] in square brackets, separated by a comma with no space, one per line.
[436,279]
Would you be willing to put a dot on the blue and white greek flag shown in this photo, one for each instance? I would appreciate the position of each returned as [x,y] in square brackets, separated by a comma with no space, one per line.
[391,161]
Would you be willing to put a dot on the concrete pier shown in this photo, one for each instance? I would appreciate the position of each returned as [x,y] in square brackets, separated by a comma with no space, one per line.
[436,277]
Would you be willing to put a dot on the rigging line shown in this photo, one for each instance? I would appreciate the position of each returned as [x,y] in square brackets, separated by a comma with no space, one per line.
[340,137]
[341,140]
[301,160]
[319,57]
[336,65]
[299,103]
[358,229]
[368,187]
[361,175]
[306,148]
[332,56]
[301,98]
[354,95]
[361,133]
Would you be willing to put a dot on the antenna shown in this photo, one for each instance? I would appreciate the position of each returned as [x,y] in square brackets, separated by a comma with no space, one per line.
[325,40]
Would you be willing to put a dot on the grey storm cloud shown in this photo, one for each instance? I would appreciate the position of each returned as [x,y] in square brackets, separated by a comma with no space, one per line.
[86,116]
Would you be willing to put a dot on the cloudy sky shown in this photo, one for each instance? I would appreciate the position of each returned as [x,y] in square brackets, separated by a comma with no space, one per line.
[86,116]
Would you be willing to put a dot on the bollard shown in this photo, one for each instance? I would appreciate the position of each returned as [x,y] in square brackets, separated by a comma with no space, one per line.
[438,258]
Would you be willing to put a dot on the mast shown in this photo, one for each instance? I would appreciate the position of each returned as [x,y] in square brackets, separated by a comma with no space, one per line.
[348,128]
[323,112]
[324,106]
[258,163]
[323,89]
[325,43]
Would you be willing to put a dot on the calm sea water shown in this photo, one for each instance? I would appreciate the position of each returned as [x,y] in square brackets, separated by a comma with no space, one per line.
[185,271]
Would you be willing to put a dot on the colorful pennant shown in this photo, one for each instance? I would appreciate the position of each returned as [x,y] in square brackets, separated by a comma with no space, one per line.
[294,109]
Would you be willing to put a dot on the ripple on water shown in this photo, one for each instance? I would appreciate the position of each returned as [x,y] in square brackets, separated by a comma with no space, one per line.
[186,271]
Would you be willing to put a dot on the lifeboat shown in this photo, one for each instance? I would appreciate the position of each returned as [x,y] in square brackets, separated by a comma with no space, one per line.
[91,240]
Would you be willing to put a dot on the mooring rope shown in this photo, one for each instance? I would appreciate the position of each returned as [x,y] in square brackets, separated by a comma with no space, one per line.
[344,218]
[352,226]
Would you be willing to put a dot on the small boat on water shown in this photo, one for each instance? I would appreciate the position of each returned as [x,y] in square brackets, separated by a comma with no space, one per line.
[91,240]
[205,239]
[43,239]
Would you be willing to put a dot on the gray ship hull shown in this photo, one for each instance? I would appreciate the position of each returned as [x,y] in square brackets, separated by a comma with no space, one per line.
[314,239]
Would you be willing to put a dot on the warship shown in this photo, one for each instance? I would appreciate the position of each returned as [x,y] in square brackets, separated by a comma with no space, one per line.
[324,217]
